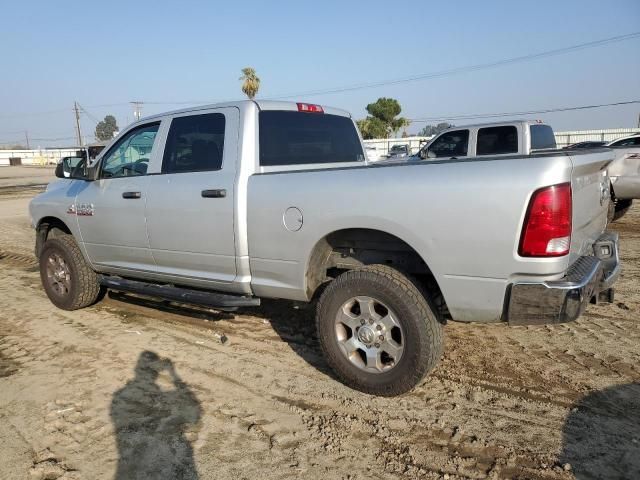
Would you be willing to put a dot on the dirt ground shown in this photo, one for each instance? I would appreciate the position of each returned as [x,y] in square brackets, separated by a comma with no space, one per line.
[140,389]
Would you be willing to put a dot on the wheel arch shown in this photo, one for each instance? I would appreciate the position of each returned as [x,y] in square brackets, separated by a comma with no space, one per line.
[49,227]
[348,248]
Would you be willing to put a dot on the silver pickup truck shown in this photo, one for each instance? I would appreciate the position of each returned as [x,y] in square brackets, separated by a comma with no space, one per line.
[225,204]
[518,137]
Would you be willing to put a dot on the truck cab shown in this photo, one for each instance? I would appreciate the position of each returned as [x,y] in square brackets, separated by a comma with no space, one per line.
[490,139]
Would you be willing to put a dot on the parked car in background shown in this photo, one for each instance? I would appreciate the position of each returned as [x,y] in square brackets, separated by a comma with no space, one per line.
[399,151]
[630,141]
[625,174]
[225,204]
[587,144]
[521,137]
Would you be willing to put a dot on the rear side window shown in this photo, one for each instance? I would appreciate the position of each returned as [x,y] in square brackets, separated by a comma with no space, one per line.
[542,137]
[451,144]
[497,140]
[195,144]
[300,138]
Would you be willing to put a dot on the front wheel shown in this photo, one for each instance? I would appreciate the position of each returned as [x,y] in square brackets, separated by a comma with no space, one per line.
[67,278]
[378,331]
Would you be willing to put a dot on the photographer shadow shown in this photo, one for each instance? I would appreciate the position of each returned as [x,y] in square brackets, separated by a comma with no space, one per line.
[151,423]
[601,436]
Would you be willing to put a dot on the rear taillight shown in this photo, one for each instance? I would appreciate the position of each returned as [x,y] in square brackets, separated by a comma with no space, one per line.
[547,226]
[310,108]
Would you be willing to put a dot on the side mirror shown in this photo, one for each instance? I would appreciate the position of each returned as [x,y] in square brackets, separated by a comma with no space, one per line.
[60,170]
[72,167]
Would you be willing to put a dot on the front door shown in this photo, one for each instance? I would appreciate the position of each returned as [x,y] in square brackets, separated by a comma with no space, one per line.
[111,209]
[190,202]
[452,145]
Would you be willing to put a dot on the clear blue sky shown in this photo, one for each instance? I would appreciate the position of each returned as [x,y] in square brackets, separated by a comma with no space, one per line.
[116,51]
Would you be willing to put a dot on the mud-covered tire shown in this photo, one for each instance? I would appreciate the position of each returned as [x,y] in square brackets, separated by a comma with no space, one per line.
[422,333]
[83,287]
[621,207]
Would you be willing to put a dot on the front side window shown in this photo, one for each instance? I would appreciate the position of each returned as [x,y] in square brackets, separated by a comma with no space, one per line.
[130,156]
[300,138]
[497,140]
[451,144]
[195,144]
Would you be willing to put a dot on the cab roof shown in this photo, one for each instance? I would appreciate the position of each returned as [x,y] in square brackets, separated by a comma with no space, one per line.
[244,104]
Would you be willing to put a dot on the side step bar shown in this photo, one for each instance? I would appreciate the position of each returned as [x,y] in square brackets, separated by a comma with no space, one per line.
[223,301]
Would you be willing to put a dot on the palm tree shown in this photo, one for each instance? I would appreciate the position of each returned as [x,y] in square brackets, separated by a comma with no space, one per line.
[251,82]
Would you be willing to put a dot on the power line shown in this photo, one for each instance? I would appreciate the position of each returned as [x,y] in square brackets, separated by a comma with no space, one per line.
[425,76]
[526,112]
[470,68]
[91,117]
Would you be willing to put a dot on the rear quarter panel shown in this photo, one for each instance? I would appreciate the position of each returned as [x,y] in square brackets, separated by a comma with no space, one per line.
[463,217]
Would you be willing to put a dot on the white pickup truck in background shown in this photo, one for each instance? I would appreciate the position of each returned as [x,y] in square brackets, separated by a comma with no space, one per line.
[524,137]
[521,137]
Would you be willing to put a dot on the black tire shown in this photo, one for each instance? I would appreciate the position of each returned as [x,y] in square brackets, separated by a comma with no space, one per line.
[621,207]
[422,337]
[83,285]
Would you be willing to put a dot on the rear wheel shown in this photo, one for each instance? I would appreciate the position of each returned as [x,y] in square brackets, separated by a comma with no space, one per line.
[67,278]
[377,330]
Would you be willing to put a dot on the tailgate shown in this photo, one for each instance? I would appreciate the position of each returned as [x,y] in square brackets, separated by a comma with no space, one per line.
[590,187]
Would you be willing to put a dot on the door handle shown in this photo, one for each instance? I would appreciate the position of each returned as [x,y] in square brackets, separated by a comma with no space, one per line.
[131,195]
[217,193]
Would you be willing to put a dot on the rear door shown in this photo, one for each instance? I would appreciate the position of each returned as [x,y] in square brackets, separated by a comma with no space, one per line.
[190,202]
[498,140]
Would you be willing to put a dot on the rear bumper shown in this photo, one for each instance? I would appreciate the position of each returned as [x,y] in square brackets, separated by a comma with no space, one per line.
[564,300]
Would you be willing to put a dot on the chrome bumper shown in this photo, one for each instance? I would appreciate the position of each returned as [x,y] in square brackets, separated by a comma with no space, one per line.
[588,279]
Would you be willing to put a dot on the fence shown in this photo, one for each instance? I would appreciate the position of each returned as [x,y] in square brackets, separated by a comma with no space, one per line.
[382,145]
[564,139]
[36,157]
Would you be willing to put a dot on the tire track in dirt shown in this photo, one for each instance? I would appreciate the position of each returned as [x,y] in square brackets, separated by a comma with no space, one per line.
[337,423]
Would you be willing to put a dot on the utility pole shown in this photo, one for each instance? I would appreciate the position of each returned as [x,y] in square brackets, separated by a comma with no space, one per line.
[26,136]
[78,134]
[137,110]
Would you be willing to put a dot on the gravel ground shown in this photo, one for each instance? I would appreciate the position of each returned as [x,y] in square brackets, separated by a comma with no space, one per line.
[16,177]
[139,389]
